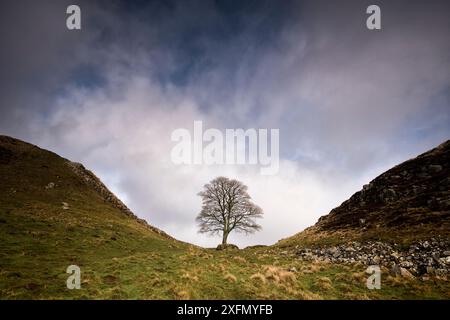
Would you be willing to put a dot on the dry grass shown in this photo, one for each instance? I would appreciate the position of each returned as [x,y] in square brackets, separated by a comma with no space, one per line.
[259,277]
[38,239]
[220,267]
[324,283]
[279,275]
[229,277]
[182,295]
[359,277]
[310,268]
[308,295]
[190,277]
[240,259]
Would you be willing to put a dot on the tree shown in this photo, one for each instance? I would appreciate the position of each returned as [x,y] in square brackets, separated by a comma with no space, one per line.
[227,207]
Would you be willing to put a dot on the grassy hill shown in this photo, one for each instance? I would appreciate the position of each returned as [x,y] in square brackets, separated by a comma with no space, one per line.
[407,203]
[55,213]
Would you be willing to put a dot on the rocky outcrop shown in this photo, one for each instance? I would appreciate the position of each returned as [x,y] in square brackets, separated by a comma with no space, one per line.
[91,179]
[428,257]
[94,182]
[412,193]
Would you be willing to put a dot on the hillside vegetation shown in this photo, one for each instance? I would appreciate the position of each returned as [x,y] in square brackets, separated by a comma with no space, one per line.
[407,203]
[55,213]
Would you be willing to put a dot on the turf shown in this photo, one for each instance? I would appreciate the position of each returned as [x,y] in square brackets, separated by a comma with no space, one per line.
[122,258]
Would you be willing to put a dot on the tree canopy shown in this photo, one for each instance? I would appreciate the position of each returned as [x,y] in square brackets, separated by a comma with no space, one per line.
[226,207]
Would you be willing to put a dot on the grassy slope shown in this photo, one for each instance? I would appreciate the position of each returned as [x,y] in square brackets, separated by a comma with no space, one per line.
[406,220]
[121,258]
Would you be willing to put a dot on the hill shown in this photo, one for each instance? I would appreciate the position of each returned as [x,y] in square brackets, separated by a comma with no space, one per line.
[55,213]
[407,203]
[400,220]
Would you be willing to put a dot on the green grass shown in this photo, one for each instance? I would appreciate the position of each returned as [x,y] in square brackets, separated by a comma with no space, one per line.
[120,258]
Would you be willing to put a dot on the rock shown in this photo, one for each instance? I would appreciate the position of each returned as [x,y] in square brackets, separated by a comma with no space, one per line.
[227,247]
[421,258]
[335,252]
[388,195]
[65,205]
[436,257]
[423,175]
[376,260]
[441,272]
[51,185]
[435,168]
[395,255]
[406,264]
[395,270]
[406,274]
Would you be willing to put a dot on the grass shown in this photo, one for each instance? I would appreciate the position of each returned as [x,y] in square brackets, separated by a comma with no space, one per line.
[139,267]
[121,258]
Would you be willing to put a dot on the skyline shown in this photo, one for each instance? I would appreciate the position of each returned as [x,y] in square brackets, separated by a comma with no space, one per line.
[349,102]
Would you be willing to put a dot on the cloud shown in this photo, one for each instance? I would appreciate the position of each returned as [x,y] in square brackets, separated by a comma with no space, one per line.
[349,102]
[129,148]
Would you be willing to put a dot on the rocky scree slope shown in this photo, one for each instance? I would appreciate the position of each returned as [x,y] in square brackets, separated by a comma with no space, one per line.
[400,220]
[414,193]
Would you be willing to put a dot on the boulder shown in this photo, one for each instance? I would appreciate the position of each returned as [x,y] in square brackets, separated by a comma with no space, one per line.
[227,247]
[406,274]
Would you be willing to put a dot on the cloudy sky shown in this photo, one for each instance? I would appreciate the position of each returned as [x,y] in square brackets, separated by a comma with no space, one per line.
[349,102]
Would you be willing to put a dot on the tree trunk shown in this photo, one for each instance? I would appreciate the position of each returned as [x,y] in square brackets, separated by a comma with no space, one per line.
[224,237]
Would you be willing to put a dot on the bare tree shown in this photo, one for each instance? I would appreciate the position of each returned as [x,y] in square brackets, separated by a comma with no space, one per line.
[227,207]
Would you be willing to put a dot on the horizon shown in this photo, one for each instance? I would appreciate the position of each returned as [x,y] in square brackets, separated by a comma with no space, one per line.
[288,236]
[349,103]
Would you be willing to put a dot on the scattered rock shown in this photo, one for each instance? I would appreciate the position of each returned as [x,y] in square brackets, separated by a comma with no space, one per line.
[227,247]
[395,255]
[51,185]
[406,264]
[419,258]
[388,195]
[376,260]
[405,273]
[93,181]
[434,168]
